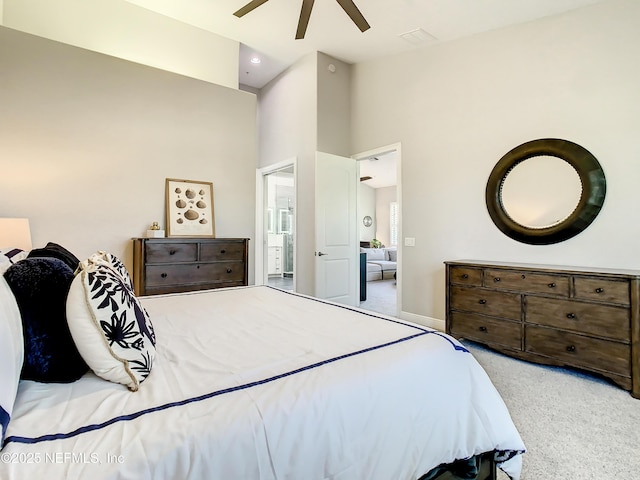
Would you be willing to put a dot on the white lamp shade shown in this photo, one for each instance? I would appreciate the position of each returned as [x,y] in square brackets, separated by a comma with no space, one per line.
[15,233]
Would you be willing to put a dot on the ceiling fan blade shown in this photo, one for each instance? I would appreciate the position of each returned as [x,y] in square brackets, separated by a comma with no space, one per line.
[249,7]
[305,13]
[355,14]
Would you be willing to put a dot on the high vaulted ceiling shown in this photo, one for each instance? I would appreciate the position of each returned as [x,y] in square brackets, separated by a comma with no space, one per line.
[269,30]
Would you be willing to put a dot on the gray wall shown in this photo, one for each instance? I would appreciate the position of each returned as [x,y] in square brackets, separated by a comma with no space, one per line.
[126,30]
[334,106]
[87,141]
[287,116]
[304,110]
[458,108]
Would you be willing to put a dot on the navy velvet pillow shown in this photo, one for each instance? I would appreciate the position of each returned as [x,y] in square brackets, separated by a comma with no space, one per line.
[53,250]
[40,286]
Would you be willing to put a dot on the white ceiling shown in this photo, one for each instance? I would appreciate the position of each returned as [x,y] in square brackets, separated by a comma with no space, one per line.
[381,168]
[269,30]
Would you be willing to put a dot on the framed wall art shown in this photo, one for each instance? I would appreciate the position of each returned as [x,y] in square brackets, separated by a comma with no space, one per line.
[189,208]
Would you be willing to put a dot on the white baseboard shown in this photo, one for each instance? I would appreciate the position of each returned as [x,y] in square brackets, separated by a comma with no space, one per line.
[423,320]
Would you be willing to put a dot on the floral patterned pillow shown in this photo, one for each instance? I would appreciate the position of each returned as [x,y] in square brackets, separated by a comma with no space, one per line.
[109,325]
[113,262]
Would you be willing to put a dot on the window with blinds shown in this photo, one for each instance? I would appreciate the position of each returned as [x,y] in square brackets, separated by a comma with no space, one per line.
[393,223]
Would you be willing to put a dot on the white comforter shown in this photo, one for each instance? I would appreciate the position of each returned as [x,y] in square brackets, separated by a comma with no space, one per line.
[255,383]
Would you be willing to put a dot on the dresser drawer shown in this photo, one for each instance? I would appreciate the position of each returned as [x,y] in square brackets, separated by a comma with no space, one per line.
[602,290]
[527,282]
[213,252]
[485,329]
[465,276]
[601,320]
[486,302]
[171,252]
[224,272]
[584,318]
[579,351]
[166,265]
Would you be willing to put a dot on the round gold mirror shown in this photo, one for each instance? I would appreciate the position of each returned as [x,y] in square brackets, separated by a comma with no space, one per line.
[545,191]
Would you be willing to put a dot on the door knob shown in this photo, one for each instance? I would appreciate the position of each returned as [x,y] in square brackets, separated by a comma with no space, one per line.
[321,254]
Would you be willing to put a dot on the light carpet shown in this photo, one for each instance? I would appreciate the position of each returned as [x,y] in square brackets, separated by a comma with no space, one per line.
[381,297]
[575,426]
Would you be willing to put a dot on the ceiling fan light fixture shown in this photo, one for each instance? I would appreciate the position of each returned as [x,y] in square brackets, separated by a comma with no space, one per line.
[305,12]
[249,7]
[303,22]
[355,14]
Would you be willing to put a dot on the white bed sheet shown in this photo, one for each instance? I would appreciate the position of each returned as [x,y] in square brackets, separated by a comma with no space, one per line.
[256,383]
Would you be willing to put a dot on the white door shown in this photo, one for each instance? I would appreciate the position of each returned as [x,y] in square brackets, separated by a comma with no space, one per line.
[336,249]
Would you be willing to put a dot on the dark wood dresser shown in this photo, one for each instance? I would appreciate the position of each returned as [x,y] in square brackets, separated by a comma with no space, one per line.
[168,265]
[566,316]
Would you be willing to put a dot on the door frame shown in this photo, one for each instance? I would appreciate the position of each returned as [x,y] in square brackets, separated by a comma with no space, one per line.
[394,147]
[260,248]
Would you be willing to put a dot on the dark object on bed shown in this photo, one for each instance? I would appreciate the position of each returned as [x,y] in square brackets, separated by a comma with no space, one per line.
[40,286]
[479,467]
[53,250]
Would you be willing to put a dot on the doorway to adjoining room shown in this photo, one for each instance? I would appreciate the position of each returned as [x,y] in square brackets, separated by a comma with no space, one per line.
[379,227]
[279,187]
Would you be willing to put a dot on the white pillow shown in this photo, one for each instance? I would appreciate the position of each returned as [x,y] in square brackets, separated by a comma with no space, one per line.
[392,254]
[109,326]
[11,353]
[9,256]
[374,253]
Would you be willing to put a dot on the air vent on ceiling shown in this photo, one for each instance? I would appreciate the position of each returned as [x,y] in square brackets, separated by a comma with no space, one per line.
[418,37]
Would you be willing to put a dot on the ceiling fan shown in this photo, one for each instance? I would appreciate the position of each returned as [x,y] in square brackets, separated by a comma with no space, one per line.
[305,13]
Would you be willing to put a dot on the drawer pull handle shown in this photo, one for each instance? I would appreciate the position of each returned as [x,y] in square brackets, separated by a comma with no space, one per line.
[163,275]
[571,316]
[571,348]
[229,270]
[483,329]
[496,279]
[465,276]
[172,252]
[523,276]
[223,251]
[482,301]
[552,285]
[599,290]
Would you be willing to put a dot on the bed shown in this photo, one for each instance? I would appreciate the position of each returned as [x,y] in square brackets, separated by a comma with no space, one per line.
[258,383]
